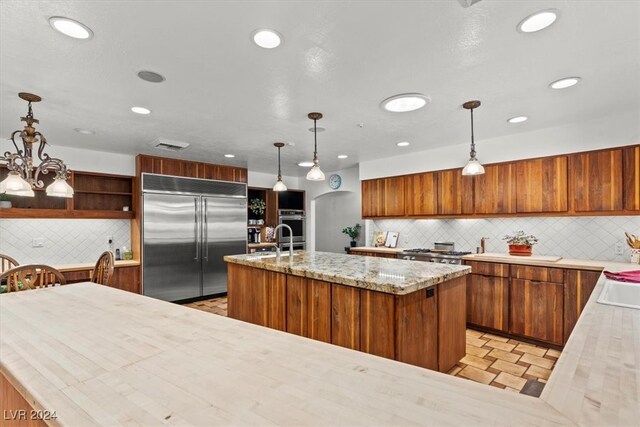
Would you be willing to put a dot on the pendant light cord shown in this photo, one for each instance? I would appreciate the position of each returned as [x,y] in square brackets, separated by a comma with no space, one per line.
[279,170]
[473,143]
[315,140]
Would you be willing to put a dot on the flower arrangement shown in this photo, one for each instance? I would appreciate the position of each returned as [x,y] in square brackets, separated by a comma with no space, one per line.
[520,243]
[257,206]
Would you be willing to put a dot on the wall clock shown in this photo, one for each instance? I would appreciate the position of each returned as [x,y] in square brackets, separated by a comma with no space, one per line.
[335,181]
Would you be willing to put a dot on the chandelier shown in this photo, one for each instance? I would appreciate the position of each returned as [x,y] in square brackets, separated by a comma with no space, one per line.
[23,177]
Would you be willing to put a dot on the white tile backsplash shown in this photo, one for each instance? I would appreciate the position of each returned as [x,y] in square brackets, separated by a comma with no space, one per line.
[587,237]
[66,241]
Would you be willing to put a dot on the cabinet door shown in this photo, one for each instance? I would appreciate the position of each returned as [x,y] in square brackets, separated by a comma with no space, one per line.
[127,279]
[631,173]
[393,196]
[455,193]
[345,316]
[488,301]
[577,290]
[377,323]
[542,185]
[173,167]
[421,195]
[597,181]
[537,310]
[148,164]
[495,191]
[372,199]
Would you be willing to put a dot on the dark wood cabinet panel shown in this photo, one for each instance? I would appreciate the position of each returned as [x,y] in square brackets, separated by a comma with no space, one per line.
[297,303]
[540,274]
[597,181]
[190,169]
[579,285]
[173,167]
[489,268]
[345,316]
[455,193]
[421,194]
[631,173]
[451,321]
[377,322]
[393,196]
[383,197]
[495,191]
[417,328]
[262,295]
[536,310]
[127,279]
[488,301]
[542,185]
[276,307]
[374,254]
[319,310]
[372,198]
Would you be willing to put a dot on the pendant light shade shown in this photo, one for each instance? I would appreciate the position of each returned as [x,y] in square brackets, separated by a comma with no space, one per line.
[15,185]
[315,174]
[473,166]
[279,186]
[60,188]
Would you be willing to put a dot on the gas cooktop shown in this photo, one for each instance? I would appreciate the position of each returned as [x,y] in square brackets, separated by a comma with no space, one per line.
[434,252]
[439,256]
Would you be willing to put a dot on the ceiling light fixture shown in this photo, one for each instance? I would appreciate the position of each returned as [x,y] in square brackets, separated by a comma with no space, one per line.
[403,144]
[70,27]
[405,102]
[565,82]
[279,186]
[229,156]
[85,131]
[342,156]
[473,167]
[141,110]
[22,175]
[305,164]
[267,39]
[315,174]
[538,21]
[151,76]
[518,119]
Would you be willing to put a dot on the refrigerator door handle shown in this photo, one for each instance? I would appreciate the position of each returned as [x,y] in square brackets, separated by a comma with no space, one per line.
[206,232]
[195,226]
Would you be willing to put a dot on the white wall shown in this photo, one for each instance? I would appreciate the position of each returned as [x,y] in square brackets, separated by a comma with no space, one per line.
[333,212]
[267,180]
[611,131]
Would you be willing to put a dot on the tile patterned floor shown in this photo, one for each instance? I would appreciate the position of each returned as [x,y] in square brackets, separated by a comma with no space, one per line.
[497,361]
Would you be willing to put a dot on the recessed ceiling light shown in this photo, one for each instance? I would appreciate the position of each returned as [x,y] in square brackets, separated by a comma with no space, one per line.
[402,144]
[85,131]
[565,83]
[405,102]
[518,119]
[70,28]
[229,156]
[267,39]
[140,110]
[342,156]
[538,21]
[305,164]
[151,76]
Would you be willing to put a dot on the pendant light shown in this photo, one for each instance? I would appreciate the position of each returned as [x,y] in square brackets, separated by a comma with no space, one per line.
[473,166]
[279,184]
[315,174]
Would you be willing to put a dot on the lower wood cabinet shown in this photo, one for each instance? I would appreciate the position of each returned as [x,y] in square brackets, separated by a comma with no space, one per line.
[309,308]
[579,285]
[125,278]
[374,254]
[488,301]
[537,309]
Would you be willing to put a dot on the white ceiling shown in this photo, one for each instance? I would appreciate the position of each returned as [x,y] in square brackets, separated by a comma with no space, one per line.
[223,94]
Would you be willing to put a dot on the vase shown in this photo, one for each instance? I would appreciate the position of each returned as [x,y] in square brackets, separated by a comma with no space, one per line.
[635,256]
[353,243]
[520,250]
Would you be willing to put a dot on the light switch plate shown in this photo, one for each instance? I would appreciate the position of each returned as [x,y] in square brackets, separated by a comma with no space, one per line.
[37,242]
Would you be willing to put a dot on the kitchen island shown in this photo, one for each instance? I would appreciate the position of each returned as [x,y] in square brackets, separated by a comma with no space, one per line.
[402,310]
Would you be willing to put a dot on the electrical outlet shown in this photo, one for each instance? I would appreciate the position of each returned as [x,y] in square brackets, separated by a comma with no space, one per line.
[619,249]
[37,242]
[110,239]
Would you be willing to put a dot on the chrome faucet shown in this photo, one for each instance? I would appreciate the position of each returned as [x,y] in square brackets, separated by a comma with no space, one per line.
[275,230]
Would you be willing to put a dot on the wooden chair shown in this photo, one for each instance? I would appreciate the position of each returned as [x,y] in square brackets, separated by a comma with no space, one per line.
[31,276]
[103,271]
[6,263]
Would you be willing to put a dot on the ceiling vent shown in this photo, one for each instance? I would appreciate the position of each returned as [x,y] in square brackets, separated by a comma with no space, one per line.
[468,3]
[168,144]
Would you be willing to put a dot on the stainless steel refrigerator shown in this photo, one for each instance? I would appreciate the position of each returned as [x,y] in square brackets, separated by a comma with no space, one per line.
[188,226]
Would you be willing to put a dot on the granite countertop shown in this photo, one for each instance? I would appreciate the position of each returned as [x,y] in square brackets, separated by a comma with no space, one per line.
[392,276]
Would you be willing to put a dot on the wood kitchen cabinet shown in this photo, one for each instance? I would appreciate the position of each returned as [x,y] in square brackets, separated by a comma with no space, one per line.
[189,169]
[578,286]
[631,173]
[597,181]
[345,316]
[488,295]
[372,198]
[536,310]
[495,191]
[374,254]
[383,197]
[309,308]
[455,193]
[421,194]
[542,185]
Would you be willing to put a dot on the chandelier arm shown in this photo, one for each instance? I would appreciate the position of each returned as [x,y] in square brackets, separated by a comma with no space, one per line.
[13,140]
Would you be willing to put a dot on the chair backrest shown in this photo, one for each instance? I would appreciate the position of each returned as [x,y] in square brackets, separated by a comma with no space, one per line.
[6,263]
[103,271]
[32,276]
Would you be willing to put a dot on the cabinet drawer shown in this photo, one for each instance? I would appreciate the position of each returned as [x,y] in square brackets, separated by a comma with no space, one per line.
[539,274]
[489,268]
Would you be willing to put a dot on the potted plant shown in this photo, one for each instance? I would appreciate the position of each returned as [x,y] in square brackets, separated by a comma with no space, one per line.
[5,202]
[352,232]
[257,206]
[520,243]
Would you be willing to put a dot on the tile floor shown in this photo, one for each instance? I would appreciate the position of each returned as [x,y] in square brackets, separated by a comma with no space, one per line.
[497,361]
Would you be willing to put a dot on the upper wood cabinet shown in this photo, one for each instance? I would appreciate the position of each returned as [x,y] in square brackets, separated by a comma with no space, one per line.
[420,194]
[541,185]
[495,191]
[455,193]
[176,167]
[383,197]
[631,172]
[597,181]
